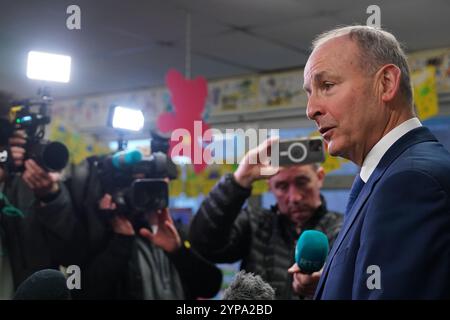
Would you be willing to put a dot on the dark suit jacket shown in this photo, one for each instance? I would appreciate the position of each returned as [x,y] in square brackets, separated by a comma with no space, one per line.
[400,223]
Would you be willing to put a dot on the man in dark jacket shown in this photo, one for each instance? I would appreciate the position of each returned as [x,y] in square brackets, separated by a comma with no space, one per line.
[37,232]
[264,239]
[125,260]
[37,226]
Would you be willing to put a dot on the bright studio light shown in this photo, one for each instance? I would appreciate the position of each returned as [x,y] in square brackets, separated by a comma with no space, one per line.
[48,66]
[127,118]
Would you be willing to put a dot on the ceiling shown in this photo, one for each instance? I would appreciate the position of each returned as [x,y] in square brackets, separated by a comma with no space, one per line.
[131,44]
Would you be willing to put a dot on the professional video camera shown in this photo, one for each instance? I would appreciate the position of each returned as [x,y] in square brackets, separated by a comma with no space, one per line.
[138,184]
[32,116]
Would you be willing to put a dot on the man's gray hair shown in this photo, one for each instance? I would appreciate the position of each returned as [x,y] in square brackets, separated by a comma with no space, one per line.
[247,286]
[377,48]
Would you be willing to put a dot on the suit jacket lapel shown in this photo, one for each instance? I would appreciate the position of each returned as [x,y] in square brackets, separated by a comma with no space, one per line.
[348,221]
[417,135]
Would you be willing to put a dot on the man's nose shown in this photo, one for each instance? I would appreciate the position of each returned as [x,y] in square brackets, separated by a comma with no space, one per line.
[295,195]
[314,107]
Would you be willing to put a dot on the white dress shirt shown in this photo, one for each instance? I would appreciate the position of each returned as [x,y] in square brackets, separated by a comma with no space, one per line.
[381,147]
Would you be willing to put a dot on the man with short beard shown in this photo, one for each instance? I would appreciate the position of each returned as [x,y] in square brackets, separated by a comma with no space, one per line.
[224,232]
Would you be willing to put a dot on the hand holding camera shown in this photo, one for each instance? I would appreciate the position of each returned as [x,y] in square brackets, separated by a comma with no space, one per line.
[37,179]
[41,182]
[263,161]
[23,135]
[166,235]
[120,224]
[255,163]
[17,142]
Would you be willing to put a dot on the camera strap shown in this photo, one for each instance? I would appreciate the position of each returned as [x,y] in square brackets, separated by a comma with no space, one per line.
[7,208]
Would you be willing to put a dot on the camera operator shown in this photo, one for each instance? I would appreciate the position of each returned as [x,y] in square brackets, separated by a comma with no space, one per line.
[38,227]
[263,239]
[136,255]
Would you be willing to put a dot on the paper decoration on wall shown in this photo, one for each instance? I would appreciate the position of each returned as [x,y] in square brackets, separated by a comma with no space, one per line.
[259,187]
[199,183]
[233,95]
[92,112]
[425,93]
[80,146]
[440,58]
[282,90]
[188,101]
[175,188]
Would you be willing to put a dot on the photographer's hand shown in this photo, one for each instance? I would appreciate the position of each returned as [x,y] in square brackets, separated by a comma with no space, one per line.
[41,182]
[120,224]
[18,155]
[17,143]
[166,237]
[255,166]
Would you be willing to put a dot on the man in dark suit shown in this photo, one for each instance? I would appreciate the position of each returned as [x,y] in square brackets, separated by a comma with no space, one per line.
[395,241]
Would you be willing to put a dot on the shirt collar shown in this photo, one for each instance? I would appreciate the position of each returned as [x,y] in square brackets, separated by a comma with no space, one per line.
[381,147]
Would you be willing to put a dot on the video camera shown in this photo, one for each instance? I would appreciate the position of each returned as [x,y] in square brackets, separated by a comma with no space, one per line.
[32,116]
[138,184]
[301,151]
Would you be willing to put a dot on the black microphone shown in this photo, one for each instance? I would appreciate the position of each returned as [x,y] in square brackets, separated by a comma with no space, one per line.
[47,284]
[247,286]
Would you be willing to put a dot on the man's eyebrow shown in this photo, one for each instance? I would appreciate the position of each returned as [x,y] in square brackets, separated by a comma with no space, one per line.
[320,75]
[317,77]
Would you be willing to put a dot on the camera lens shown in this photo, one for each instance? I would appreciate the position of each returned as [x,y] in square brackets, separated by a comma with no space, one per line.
[297,152]
[315,145]
[150,195]
[53,156]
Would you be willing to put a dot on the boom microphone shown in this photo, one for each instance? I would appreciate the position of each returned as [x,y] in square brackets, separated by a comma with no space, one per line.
[311,251]
[47,284]
[247,286]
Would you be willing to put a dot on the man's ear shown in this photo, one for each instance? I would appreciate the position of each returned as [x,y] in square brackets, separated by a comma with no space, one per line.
[320,176]
[389,77]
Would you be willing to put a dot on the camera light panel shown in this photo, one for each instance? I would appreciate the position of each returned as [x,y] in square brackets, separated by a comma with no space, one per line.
[127,118]
[48,66]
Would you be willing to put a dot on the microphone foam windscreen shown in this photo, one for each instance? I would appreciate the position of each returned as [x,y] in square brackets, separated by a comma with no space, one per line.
[311,251]
[47,284]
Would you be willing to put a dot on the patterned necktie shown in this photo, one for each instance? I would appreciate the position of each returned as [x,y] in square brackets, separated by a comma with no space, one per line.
[358,184]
